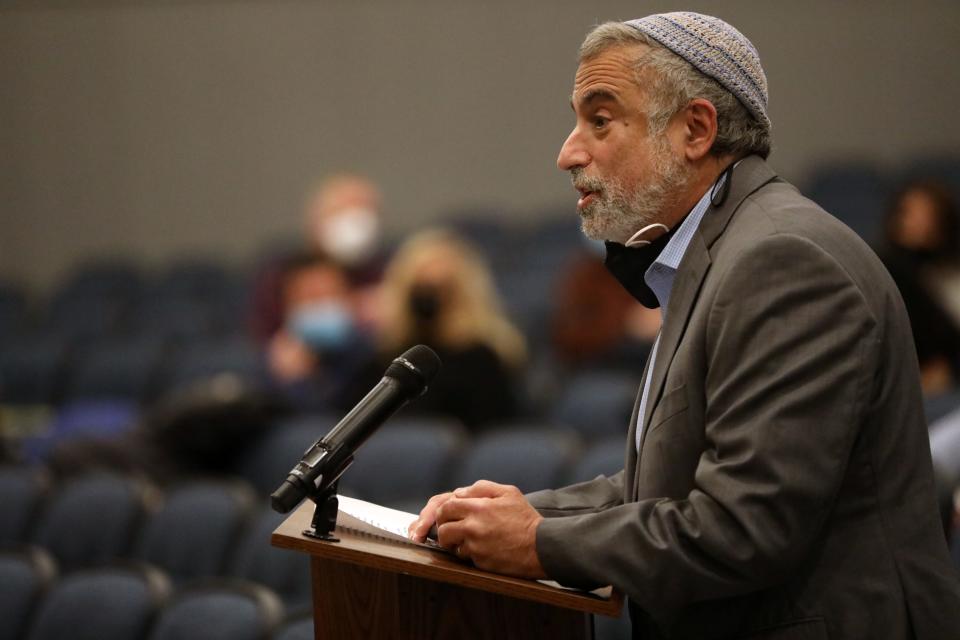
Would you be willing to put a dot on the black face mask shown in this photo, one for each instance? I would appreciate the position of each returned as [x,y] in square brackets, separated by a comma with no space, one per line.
[425,304]
[629,264]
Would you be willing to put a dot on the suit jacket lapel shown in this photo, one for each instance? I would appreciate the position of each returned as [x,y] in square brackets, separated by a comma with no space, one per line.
[686,286]
[751,174]
[630,470]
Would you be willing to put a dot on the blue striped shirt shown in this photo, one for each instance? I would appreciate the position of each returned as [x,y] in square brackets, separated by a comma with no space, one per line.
[660,275]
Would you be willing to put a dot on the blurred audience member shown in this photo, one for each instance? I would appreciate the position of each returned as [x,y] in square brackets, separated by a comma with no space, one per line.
[439,292]
[921,254]
[945,449]
[342,219]
[315,356]
[596,322]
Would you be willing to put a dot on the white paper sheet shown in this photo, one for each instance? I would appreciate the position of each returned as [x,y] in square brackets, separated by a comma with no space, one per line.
[390,520]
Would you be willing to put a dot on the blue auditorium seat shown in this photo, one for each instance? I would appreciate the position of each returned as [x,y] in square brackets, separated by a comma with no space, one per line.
[526,295]
[123,369]
[406,461]
[178,319]
[13,310]
[22,491]
[206,359]
[195,277]
[557,228]
[95,301]
[25,575]
[109,603]
[605,457]
[267,463]
[532,458]
[91,520]
[284,572]
[483,228]
[597,403]
[296,628]
[32,369]
[221,610]
[857,193]
[943,168]
[194,531]
[115,277]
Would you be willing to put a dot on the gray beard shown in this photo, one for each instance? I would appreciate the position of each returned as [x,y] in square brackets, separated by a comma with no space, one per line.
[617,213]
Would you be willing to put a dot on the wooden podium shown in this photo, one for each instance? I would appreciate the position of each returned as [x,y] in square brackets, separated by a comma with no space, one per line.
[367,587]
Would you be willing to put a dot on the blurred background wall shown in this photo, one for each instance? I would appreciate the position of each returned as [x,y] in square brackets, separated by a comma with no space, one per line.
[159,128]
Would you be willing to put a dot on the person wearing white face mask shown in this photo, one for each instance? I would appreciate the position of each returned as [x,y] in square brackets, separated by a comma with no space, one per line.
[342,220]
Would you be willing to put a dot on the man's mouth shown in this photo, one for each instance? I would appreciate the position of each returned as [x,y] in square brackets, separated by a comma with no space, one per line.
[586,197]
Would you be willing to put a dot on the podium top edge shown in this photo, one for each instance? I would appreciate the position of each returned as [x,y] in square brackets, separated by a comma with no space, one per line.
[398,557]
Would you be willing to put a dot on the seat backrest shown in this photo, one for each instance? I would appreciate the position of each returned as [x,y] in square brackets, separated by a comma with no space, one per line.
[116,369]
[91,520]
[855,192]
[25,575]
[283,571]
[13,308]
[405,462]
[940,167]
[32,368]
[266,464]
[110,603]
[298,628]
[597,404]
[22,490]
[605,457]
[221,610]
[206,359]
[197,526]
[531,458]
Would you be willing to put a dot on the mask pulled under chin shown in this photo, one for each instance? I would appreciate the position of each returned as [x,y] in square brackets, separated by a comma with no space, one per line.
[629,264]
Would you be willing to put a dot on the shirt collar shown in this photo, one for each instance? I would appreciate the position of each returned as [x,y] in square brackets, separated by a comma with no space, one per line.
[659,276]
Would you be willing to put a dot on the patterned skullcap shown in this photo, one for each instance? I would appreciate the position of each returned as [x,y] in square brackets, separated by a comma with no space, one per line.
[717,50]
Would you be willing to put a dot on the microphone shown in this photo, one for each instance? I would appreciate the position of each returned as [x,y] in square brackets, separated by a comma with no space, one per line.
[325,461]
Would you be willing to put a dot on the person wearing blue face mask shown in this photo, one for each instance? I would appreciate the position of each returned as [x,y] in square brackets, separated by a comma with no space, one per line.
[318,351]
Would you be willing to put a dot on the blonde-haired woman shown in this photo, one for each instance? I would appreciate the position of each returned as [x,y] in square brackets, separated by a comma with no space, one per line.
[438,291]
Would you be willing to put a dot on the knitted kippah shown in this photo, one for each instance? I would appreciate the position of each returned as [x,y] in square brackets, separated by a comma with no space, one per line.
[717,50]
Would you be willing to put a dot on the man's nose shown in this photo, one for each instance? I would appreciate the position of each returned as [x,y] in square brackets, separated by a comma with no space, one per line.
[572,153]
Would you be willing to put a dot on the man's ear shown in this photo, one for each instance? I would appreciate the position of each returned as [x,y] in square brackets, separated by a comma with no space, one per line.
[700,121]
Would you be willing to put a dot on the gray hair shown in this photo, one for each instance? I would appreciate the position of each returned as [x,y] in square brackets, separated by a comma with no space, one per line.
[672,83]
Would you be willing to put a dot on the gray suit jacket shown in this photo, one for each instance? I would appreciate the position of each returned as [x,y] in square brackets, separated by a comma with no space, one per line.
[784,486]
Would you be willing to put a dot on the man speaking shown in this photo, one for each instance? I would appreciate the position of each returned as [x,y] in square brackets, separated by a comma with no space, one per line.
[778,479]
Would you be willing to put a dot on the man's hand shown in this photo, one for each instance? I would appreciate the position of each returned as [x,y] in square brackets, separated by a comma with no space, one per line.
[428,517]
[491,524]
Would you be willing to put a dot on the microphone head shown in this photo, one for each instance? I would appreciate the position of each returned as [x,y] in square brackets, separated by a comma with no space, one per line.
[415,369]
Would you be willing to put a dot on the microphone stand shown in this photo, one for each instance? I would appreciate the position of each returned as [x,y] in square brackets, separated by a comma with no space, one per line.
[324,520]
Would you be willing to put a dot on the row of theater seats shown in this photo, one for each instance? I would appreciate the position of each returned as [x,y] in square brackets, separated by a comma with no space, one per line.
[594,404]
[94,304]
[205,535]
[134,601]
[199,530]
[188,563]
[48,370]
[218,526]
[407,461]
